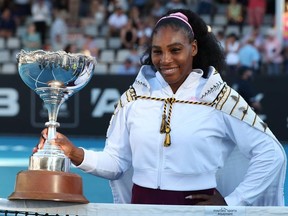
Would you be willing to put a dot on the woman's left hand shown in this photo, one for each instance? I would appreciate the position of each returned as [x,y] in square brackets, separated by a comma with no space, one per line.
[215,199]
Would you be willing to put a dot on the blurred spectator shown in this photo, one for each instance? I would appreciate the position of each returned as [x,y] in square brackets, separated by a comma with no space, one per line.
[124,5]
[173,4]
[59,31]
[285,25]
[113,4]
[256,35]
[140,4]
[134,56]
[158,9]
[127,68]
[220,35]
[7,24]
[205,7]
[74,10]
[244,86]
[285,60]
[4,4]
[285,39]
[255,11]
[96,16]
[22,9]
[234,14]
[232,46]
[128,35]
[249,56]
[71,48]
[272,53]
[41,17]
[117,20]
[60,5]
[84,8]
[98,12]
[144,30]
[134,15]
[31,39]
[89,46]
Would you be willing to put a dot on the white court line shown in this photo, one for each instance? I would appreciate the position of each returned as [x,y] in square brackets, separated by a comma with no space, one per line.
[14,162]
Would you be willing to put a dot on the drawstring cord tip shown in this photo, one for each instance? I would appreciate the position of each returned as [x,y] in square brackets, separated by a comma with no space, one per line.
[167,141]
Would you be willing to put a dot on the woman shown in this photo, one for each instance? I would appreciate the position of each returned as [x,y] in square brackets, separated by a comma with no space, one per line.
[31,40]
[235,14]
[232,46]
[272,53]
[128,35]
[174,128]
[255,12]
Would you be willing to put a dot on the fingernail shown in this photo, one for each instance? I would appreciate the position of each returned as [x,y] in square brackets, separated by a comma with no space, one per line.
[188,197]
[44,136]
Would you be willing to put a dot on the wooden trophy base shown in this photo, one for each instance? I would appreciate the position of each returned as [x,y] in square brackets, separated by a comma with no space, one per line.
[49,186]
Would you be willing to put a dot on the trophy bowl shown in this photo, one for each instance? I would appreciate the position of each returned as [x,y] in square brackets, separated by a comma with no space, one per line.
[54,76]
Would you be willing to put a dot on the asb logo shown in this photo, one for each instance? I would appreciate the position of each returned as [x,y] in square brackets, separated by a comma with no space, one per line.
[9,102]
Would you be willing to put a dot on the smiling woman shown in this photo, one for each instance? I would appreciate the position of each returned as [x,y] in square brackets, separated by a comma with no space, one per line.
[174,131]
[172,54]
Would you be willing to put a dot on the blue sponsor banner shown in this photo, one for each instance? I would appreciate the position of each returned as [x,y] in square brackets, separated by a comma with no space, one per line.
[88,112]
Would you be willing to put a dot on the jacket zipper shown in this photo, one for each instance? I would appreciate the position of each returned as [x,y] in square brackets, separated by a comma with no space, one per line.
[160,165]
[161,161]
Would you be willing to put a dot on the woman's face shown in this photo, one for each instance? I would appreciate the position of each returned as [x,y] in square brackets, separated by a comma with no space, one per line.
[172,55]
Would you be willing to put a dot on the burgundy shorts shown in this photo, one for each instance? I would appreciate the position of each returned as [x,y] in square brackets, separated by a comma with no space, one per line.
[142,195]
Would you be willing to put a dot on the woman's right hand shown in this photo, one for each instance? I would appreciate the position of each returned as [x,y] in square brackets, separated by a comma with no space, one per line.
[75,154]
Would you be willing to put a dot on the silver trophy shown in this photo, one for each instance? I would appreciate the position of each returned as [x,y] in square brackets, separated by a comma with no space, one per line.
[54,76]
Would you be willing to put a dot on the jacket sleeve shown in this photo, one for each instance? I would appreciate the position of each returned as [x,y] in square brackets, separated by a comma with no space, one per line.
[116,156]
[261,167]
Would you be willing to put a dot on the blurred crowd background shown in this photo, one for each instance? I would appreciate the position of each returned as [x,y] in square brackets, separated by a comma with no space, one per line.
[116,31]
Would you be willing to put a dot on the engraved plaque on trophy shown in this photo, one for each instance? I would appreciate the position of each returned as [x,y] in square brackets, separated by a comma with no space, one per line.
[54,76]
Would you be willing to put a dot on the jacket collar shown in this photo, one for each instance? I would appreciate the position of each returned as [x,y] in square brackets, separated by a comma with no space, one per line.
[206,89]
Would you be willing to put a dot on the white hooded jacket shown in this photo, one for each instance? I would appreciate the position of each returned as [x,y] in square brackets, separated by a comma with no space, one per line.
[216,141]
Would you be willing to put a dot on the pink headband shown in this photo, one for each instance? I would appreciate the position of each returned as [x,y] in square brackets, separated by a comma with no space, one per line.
[179,16]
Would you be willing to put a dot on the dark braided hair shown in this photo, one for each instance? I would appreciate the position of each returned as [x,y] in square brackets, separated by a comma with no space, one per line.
[210,52]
